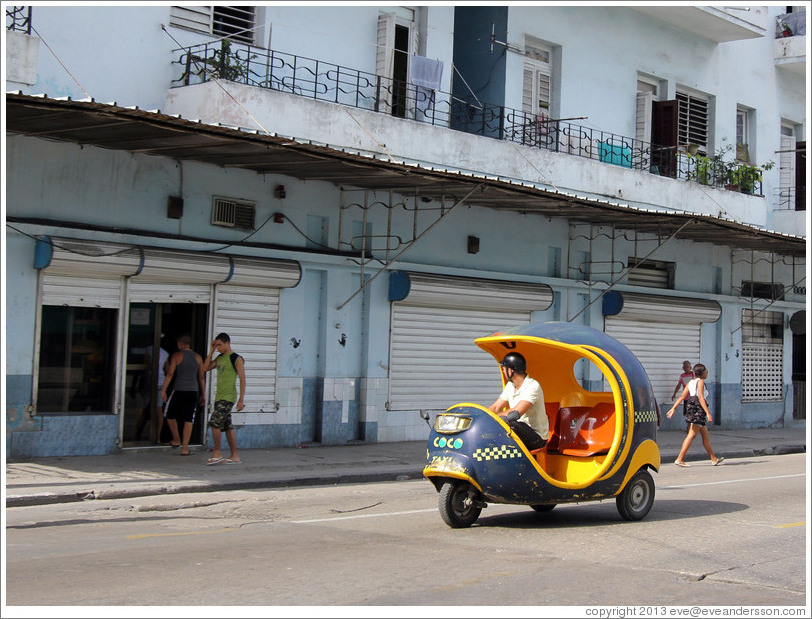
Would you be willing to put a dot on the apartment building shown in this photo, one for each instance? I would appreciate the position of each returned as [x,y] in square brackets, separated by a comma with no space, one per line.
[355,193]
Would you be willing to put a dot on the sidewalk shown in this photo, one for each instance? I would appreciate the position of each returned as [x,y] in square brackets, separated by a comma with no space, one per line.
[161,470]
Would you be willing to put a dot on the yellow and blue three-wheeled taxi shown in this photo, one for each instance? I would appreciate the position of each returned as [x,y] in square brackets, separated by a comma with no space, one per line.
[601,443]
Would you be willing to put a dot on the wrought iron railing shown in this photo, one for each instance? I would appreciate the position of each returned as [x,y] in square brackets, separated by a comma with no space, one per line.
[325,81]
[18,19]
[790,199]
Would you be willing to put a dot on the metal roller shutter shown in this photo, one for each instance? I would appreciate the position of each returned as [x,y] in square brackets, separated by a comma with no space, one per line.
[81,291]
[250,316]
[662,331]
[434,362]
[661,348]
[83,273]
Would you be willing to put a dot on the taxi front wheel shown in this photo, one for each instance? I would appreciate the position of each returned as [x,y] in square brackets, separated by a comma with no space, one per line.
[636,499]
[459,505]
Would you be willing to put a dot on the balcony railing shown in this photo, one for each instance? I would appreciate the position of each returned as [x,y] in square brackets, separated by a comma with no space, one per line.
[18,19]
[325,81]
[790,199]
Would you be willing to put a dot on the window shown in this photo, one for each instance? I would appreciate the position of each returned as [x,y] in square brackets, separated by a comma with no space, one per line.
[237,23]
[648,91]
[537,82]
[692,125]
[762,356]
[742,134]
[651,273]
[791,192]
[76,359]
[763,290]
[397,42]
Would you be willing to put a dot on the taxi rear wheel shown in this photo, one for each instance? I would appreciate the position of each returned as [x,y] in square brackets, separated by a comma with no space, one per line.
[459,504]
[636,499]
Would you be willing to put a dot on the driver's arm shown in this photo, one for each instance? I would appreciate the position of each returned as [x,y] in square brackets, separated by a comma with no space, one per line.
[498,406]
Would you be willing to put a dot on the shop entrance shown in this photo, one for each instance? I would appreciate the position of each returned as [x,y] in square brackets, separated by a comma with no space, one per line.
[156,326]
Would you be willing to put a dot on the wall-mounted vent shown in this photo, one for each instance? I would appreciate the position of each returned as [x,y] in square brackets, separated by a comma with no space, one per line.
[233,213]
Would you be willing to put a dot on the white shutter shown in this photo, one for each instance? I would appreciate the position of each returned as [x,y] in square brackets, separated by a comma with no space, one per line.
[196,18]
[250,316]
[762,372]
[661,348]
[643,121]
[786,172]
[536,87]
[762,356]
[434,362]
[385,50]
[80,291]
[145,291]
[661,331]
[183,266]
[83,273]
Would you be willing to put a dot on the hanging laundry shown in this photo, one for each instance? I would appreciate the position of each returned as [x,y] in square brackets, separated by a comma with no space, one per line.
[425,74]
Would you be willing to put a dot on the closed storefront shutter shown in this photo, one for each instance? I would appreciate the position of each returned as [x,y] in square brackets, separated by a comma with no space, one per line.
[83,273]
[661,331]
[250,316]
[660,347]
[434,362]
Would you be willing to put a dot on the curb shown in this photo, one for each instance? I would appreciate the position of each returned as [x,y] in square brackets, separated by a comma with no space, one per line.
[320,479]
[26,500]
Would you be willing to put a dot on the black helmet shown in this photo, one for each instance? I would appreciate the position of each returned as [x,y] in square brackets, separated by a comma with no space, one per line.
[515,362]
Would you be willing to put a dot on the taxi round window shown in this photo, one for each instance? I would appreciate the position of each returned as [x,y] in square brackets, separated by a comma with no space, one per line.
[589,376]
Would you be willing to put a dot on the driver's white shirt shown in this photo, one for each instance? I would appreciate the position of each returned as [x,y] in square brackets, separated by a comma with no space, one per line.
[530,391]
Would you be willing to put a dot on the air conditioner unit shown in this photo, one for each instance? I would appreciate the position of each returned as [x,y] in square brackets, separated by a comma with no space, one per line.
[233,213]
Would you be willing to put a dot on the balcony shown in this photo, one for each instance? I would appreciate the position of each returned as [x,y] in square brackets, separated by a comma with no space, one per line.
[22,48]
[790,42]
[719,24]
[317,80]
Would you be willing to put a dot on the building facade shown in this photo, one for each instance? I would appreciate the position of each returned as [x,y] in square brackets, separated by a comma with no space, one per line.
[355,193]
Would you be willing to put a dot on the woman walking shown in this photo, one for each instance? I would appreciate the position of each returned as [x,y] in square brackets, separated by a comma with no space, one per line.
[696,414]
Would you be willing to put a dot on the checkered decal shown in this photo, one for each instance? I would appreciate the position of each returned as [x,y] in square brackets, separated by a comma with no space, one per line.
[645,416]
[496,453]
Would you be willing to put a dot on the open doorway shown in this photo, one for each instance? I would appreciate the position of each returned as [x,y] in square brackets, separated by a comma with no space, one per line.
[156,327]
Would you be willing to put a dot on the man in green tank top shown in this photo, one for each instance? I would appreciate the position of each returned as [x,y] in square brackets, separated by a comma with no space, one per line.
[230,366]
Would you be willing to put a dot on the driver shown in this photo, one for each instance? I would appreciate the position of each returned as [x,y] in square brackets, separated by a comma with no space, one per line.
[523,395]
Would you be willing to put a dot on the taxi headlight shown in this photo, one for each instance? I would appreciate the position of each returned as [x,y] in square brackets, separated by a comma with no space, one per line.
[448,424]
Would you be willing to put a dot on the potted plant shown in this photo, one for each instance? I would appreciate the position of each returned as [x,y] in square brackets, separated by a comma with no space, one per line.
[708,170]
[744,177]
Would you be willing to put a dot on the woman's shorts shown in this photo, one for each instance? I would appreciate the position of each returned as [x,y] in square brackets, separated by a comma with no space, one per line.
[694,412]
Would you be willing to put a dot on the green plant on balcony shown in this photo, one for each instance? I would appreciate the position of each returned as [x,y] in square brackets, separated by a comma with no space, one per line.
[707,170]
[744,177]
[222,63]
[732,174]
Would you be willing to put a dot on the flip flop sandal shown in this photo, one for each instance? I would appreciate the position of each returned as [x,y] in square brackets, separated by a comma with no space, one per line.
[682,464]
[230,461]
[211,461]
[718,461]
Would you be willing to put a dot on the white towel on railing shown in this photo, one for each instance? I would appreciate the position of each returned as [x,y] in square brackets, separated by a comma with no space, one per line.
[425,74]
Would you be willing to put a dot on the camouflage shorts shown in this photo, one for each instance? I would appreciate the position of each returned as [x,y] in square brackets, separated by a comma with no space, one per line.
[221,416]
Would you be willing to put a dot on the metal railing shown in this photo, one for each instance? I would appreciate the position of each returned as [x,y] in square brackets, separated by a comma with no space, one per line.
[18,19]
[789,199]
[325,81]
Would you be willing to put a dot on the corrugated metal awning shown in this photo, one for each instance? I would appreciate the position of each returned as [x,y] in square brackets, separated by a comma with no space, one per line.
[150,132]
